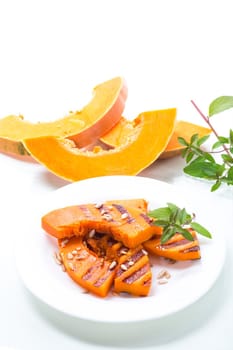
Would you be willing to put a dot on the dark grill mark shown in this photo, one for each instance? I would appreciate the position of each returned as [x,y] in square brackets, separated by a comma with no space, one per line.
[147,219]
[90,271]
[176,243]
[130,219]
[86,211]
[122,210]
[101,280]
[137,274]
[191,249]
[137,255]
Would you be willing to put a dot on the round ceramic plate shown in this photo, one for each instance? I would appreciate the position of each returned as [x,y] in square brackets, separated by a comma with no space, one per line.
[45,279]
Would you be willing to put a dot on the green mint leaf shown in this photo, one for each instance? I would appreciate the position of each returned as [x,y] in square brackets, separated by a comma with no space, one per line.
[200,229]
[182,141]
[230,174]
[223,139]
[227,158]
[161,223]
[173,207]
[174,215]
[214,170]
[215,186]
[190,157]
[167,234]
[220,104]
[208,157]
[217,145]
[231,137]
[194,138]
[220,170]
[201,168]
[182,217]
[202,140]
[160,213]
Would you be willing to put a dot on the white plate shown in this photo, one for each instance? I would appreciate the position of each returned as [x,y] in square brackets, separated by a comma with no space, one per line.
[189,280]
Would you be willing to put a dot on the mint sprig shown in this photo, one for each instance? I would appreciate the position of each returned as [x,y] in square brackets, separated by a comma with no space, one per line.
[202,164]
[176,220]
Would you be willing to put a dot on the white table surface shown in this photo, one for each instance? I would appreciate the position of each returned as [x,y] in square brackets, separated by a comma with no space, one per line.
[52,54]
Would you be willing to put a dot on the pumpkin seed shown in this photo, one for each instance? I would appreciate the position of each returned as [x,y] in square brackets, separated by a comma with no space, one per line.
[112,265]
[124,267]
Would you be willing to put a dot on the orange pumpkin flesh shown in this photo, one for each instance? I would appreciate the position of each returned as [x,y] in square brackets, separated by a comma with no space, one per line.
[151,132]
[129,225]
[123,129]
[95,119]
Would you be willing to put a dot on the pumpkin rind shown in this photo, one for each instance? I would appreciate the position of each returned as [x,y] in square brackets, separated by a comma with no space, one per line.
[103,112]
[84,126]
[151,132]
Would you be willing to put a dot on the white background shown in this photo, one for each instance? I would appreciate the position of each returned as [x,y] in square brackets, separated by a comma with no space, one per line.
[51,55]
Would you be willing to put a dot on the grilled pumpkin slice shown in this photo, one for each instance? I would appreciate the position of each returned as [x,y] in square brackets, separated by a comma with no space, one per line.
[133,274]
[177,248]
[127,224]
[86,268]
[60,222]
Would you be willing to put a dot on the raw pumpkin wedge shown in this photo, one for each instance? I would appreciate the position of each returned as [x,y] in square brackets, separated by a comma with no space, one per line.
[123,129]
[133,273]
[151,132]
[129,225]
[86,268]
[177,248]
[83,127]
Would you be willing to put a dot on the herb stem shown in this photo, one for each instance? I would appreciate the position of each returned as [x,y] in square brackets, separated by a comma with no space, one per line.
[207,120]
